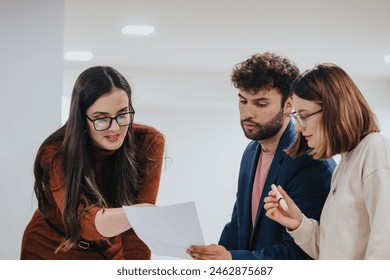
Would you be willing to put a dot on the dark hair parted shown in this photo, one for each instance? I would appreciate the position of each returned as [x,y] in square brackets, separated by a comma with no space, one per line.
[265,71]
[80,180]
[346,115]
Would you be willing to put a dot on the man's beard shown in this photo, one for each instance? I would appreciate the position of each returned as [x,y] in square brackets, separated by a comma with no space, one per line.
[266,130]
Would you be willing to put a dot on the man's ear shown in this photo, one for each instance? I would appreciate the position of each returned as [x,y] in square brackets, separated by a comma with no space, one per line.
[288,107]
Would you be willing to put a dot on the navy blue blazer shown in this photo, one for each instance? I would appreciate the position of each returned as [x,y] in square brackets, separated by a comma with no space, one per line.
[306,181]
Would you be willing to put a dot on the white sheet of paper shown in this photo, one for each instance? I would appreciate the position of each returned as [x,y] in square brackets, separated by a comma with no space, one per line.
[167,230]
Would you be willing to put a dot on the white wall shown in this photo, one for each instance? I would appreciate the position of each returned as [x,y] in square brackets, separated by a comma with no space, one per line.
[31,50]
[377,93]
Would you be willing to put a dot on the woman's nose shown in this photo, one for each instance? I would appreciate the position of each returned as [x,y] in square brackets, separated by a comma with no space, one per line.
[114,126]
[299,127]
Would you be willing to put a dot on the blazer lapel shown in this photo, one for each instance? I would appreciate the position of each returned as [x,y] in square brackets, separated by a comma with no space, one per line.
[246,216]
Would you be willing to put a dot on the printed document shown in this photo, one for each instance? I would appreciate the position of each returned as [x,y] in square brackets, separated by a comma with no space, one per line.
[167,230]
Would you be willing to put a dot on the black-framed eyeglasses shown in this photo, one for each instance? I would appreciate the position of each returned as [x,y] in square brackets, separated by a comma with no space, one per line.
[301,119]
[105,123]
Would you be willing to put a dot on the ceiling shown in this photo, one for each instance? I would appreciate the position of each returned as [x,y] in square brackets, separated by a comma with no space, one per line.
[215,35]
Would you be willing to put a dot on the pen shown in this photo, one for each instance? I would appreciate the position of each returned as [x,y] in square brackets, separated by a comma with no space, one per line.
[280,198]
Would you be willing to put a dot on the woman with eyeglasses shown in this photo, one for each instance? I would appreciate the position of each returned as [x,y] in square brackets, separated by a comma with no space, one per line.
[86,170]
[332,117]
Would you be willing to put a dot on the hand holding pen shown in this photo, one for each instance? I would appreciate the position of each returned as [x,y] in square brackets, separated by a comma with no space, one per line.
[282,209]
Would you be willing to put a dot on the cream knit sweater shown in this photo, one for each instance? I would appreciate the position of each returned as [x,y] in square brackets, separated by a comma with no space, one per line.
[355,220]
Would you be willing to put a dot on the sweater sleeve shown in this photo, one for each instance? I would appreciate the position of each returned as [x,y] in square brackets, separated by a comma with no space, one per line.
[376,198]
[307,236]
[56,177]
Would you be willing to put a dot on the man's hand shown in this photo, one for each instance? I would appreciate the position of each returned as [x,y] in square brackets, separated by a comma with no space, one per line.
[209,252]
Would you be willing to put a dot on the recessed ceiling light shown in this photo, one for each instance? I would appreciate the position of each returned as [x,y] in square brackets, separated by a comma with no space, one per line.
[78,56]
[138,29]
[387,58]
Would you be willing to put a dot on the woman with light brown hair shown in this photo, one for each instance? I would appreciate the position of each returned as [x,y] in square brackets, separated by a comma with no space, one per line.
[332,117]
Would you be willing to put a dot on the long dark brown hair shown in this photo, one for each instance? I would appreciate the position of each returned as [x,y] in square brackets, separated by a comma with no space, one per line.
[346,116]
[80,179]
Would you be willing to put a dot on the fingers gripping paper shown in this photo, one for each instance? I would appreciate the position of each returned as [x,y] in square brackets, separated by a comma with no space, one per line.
[167,230]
